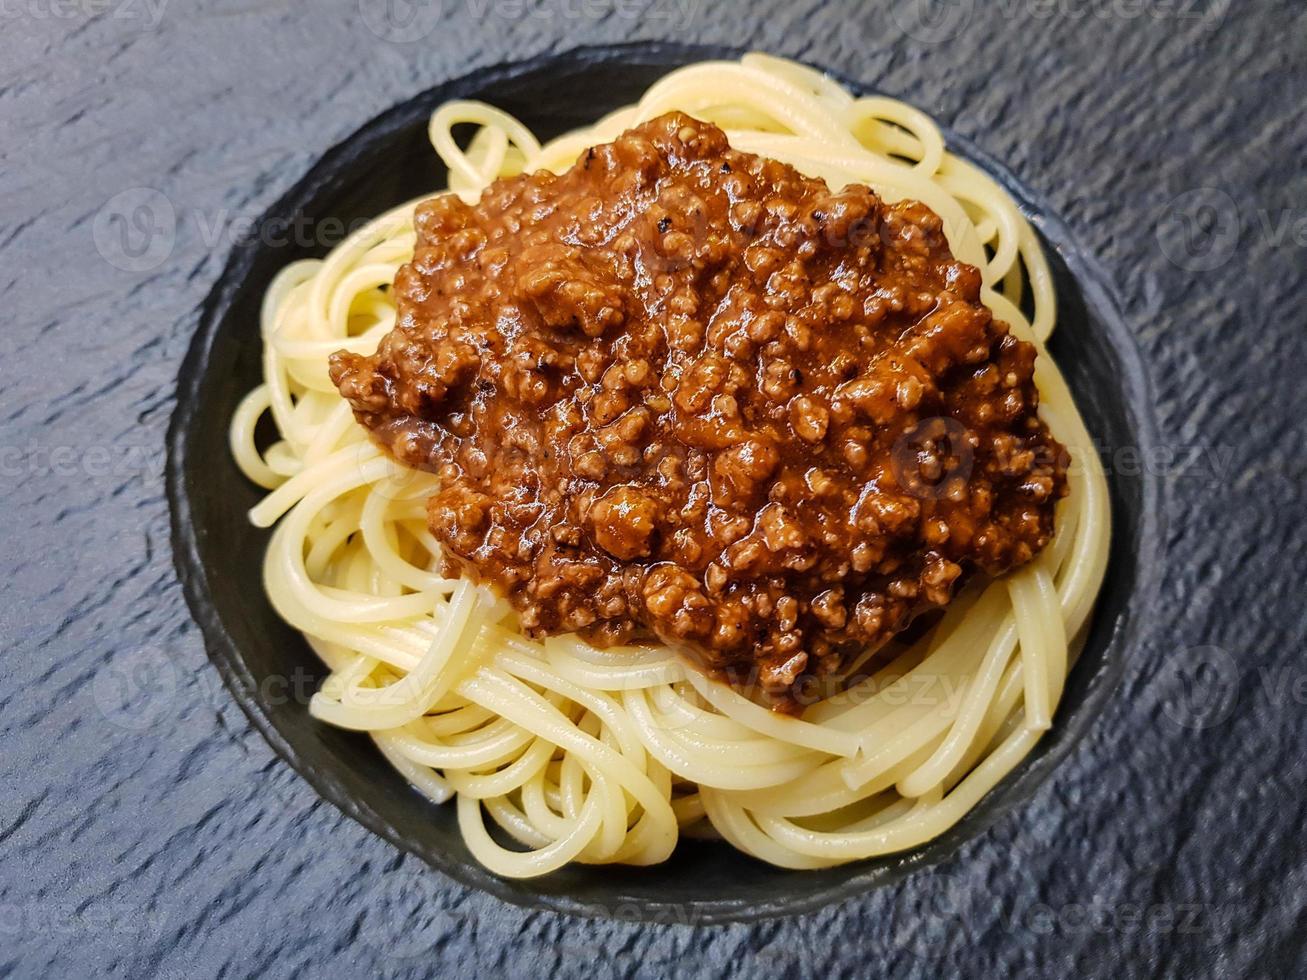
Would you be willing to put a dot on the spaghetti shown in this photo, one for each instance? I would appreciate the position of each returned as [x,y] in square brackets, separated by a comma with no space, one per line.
[608,756]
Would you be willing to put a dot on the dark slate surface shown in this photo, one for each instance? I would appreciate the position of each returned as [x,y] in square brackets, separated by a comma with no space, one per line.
[145,829]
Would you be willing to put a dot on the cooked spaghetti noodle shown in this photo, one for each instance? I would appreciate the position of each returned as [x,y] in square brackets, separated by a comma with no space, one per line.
[608,756]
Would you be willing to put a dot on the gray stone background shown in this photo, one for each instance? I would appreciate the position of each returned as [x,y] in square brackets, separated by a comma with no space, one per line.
[146,830]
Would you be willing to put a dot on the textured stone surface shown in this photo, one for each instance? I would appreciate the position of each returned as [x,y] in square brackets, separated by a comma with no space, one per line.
[145,829]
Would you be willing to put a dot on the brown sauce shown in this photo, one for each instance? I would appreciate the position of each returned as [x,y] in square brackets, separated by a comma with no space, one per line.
[688,393]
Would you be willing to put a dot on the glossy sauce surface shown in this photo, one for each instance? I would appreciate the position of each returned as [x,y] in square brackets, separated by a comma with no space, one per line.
[686,393]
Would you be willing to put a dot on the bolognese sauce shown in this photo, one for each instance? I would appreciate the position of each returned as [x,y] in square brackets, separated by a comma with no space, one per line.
[687,393]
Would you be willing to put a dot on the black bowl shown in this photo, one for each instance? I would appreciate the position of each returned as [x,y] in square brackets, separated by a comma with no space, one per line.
[265,663]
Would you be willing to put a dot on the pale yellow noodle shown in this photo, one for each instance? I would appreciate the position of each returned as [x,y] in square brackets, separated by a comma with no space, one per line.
[609,756]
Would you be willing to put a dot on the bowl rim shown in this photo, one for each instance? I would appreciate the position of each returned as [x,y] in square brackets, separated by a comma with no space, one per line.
[1013,791]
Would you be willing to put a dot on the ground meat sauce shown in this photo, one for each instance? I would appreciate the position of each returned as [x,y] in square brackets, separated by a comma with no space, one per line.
[688,393]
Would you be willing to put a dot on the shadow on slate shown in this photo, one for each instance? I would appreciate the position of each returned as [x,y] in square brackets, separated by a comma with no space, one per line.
[219,555]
